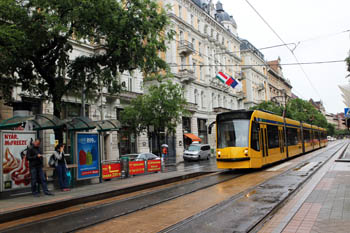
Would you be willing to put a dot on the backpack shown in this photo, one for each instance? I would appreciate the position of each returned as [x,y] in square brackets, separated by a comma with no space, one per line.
[52,161]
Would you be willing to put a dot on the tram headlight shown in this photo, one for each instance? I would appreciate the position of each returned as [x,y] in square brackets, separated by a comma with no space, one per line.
[219,153]
[246,152]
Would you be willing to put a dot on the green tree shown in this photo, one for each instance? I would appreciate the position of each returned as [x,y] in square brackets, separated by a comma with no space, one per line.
[161,107]
[297,109]
[37,37]
[331,129]
[269,106]
[302,110]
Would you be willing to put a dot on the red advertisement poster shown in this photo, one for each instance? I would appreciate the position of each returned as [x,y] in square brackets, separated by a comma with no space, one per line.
[110,171]
[15,166]
[136,167]
[153,165]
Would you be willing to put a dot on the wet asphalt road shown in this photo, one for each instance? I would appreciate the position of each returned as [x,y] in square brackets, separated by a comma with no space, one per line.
[225,202]
[193,166]
[241,213]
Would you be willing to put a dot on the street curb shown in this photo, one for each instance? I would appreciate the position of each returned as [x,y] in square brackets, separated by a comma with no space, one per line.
[57,205]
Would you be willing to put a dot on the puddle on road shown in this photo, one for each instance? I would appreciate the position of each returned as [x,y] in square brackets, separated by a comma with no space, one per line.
[250,193]
[303,165]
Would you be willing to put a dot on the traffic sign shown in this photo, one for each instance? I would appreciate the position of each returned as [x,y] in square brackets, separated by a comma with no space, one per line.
[347,112]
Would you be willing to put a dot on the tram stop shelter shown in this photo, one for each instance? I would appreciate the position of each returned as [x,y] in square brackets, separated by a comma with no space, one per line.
[71,127]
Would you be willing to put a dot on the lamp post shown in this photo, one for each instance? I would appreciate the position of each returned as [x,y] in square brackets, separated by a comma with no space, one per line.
[285,99]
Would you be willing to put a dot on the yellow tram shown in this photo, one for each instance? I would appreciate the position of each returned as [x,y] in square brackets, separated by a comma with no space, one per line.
[252,139]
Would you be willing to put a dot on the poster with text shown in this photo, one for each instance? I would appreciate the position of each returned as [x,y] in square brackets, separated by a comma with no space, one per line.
[15,166]
[87,156]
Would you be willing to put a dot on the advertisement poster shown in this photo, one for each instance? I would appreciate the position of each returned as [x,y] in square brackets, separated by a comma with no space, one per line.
[110,171]
[15,166]
[153,165]
[87,156]
[136,167]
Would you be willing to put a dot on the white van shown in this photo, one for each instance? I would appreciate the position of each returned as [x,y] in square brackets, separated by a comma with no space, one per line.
[197,152]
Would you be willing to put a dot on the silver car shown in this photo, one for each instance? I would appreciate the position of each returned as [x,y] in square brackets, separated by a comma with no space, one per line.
[197,152]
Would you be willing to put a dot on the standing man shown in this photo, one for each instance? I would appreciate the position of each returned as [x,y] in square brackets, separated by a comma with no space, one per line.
[35,159]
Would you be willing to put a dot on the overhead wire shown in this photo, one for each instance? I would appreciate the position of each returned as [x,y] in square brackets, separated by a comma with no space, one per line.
[285,44]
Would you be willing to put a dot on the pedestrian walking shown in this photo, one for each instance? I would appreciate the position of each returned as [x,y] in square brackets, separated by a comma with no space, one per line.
[164,151]
[61,167]
[35,159]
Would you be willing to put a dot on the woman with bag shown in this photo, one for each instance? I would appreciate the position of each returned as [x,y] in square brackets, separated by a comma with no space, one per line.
[61,167]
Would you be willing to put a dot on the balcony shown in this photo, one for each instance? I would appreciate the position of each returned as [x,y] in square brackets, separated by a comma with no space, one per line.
[239,75]
[192,107]
[186,75]
[240,95]
[186,48]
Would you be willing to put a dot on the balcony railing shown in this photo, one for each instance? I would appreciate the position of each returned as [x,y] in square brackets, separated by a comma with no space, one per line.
[186,47]
[186,75]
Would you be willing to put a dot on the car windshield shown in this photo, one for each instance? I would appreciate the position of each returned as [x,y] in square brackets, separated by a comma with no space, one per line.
[234,133]
[193,148]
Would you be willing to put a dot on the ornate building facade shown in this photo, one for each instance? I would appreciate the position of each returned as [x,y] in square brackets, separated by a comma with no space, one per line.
[206,43]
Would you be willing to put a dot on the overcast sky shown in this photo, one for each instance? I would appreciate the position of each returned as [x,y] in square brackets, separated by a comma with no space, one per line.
[298,20]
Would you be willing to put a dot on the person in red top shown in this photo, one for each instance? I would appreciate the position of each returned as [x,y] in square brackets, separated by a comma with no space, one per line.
[164,151]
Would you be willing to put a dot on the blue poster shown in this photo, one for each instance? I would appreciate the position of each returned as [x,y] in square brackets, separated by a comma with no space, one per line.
[87,156]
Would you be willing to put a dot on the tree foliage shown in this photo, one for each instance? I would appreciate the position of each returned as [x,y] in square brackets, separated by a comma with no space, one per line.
[270,107]
[297,109]
[37,38]
[161,108]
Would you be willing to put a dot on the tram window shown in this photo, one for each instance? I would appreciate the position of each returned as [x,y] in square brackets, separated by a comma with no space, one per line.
[307,136]
[233,133]
[292,136]
[273,138]
[255,137]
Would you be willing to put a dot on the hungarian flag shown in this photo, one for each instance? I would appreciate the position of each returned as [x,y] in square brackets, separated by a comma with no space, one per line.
[228,80]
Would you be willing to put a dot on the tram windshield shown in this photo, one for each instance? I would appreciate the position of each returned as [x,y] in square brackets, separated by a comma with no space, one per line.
[233,133]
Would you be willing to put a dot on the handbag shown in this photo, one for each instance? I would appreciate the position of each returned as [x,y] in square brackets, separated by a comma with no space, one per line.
[52,161]
[69,177]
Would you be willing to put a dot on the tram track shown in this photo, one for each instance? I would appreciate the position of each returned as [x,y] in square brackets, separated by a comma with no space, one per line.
[247,210]
[99,213]
[86,217]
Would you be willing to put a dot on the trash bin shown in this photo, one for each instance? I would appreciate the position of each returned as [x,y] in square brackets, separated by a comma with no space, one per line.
[125,166]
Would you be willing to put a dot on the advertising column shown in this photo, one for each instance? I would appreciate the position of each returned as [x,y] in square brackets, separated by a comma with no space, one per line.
[88,155]
[15,171]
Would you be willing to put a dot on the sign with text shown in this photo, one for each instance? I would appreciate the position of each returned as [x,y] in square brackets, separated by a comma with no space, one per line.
[87,152]
[15,172]
[136,167]
[110,171]
[154,165]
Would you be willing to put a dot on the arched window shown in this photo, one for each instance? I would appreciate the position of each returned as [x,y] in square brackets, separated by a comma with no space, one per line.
[202,100]
[219,101]
[195,96]
[224,104]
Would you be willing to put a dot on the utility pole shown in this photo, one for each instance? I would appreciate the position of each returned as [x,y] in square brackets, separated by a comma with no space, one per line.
[83,102]
[284,121]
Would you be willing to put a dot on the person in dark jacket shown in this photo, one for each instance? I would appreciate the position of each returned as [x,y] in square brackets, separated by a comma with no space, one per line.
[35,159]
[61,167]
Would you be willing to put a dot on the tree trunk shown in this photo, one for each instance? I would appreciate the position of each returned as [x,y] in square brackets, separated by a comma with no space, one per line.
[57,113]
[158,144]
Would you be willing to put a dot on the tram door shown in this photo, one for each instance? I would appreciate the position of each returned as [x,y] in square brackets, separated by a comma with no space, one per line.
[264,145]
[281,140]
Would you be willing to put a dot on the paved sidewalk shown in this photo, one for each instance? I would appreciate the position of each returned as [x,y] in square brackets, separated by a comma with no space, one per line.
[321,206]
[28,201]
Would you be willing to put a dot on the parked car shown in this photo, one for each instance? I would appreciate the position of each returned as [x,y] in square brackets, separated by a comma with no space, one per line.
[142,156]
[197,152]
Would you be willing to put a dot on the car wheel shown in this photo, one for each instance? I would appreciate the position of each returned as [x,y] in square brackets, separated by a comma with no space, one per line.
[208,157]
[199,158]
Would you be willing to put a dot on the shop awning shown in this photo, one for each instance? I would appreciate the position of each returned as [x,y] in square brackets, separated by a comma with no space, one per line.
[40,122]
[193,137]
